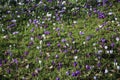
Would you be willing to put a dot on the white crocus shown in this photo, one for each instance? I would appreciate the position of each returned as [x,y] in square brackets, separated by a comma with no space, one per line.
[64,2]
[100,26]
[27,66]
[111,51]
[38,47]
[108,51]
[110,13]
[106,70]
[32,39]
[117,38]
[40,61]
[106,47]
[49,15]
[75,58]
[118,67]
[40,42]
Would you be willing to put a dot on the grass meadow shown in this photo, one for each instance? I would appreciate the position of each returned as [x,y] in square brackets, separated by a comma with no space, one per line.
[60,40]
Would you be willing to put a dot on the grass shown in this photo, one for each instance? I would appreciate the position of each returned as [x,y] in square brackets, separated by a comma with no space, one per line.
[37,61]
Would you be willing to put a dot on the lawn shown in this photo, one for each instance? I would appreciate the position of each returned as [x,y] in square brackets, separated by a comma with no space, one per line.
[60,40]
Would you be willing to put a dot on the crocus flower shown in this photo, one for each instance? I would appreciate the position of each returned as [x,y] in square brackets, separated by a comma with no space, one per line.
[68,73]
[75,64]
[16,32]
[103,40]
[48,44]
[112,45]
[73,74]
[32,30]
[60,64]
[57,29]
[77,72]
[97,29]
[11,25]
[33,74]
[53,62]
[101,15]
[81,33]
[30,43]
[58,18]
[57,78]
[87,67]
[58,44]
[95,78]
[56,56]
[118,0]
[106,71]
[88,38]
[26,53]
[15,61]
[46,32]
[94,10]
[35,21]
[104,2]
[63,40]
[98,64]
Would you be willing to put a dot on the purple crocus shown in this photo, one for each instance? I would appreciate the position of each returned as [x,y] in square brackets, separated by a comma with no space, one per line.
[35,21]
[103,40]
[26,53]
[15,61]
[32,30]
[33,74]
[30,43]
[65,51]
[73,74]
[53,62]
[58,34]
[75,64]
[104,2]
[58,44]
[101,15]
[81,33]
[57,29]
[88,38]
[87,67]
[58,18]
[77,72]
[118,0]
[97,29]
[98,64]
[57,78]
[59,65]
[11,25]
[112,45]
[46,32]
[94,10]
[63,40]
[48,44]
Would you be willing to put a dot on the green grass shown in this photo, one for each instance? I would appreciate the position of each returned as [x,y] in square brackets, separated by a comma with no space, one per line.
[87,53]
